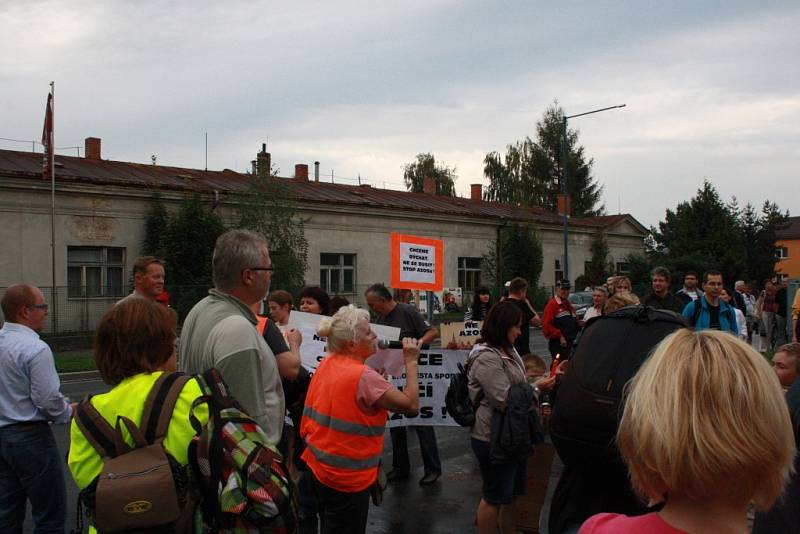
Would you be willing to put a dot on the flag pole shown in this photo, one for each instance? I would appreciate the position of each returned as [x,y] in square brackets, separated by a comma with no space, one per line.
[51,163]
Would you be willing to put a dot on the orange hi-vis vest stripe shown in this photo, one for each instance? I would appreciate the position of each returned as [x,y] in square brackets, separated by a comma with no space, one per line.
[262,324]
[343,444]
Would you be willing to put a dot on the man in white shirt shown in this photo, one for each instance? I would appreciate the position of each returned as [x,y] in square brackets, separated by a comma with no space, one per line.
[30,397]
[689,292]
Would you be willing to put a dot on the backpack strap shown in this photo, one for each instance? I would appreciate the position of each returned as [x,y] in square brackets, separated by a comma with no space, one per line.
[219,389]
[133,430]
[95,429]
[160,404]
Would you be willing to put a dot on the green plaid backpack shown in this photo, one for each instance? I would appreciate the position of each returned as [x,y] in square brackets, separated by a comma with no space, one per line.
[244,482]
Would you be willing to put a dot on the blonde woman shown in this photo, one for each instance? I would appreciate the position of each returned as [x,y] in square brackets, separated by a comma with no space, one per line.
[622,284]
[620,300]
[705,430]
[345,415]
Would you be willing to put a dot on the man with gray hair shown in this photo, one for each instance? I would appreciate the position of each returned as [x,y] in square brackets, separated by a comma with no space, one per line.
[220,330]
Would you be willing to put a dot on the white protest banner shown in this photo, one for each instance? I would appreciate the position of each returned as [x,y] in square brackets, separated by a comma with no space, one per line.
[417,262]
[312,349]
[436,367]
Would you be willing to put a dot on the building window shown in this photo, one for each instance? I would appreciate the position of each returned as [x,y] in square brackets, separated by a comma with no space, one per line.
[95,271]
[623,267]
[559,273]
[781,253]
[337,273]
[469,273]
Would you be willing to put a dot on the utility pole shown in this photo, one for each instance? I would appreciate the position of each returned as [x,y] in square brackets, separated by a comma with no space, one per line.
[565,174]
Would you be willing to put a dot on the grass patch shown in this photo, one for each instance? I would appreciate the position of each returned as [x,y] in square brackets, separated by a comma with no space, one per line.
[73,364]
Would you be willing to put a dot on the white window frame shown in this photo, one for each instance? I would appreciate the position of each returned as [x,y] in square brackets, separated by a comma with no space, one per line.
[325,270]
[469,273]
[104,264]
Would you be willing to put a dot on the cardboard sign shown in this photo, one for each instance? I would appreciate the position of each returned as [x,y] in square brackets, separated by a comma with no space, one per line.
[453,334]
[417,262]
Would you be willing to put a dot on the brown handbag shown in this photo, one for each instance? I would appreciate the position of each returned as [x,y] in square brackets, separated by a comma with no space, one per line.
[137,490]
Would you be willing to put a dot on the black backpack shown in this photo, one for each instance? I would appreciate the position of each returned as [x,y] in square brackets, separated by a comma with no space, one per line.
[460,408]
[607,354]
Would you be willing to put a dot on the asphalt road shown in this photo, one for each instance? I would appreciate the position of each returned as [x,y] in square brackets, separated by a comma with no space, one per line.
[442,508]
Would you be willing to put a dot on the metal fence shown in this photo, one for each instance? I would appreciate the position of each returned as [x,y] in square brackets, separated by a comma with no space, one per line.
[73,311]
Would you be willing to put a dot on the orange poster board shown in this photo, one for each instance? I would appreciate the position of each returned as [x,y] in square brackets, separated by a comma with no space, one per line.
[417,262]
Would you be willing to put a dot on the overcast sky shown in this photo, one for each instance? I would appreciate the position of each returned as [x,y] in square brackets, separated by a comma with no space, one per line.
[712,88]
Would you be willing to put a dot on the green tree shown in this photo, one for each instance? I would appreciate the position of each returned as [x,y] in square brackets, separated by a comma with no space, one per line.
[530,172]
[707,229]
[414,175]
[156,227]
[520,254]
[188,248]
[596,270]
[269,208]
[760,239]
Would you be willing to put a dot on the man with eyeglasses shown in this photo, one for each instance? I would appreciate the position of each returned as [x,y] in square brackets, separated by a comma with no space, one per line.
[709,310]
[220,330]
[30,397]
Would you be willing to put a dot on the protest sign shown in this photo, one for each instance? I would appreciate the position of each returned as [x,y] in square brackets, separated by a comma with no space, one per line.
[417,262]
[453,334]
[312,349]
[436,367]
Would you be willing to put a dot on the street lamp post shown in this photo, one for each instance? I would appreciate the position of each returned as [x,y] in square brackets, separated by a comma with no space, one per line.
[564,173]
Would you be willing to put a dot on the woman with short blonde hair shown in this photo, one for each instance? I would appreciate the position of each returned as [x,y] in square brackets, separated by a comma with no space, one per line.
[344,418]
[705,429]
[620,300]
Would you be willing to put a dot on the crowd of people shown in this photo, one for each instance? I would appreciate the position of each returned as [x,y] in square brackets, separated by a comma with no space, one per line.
[706,429]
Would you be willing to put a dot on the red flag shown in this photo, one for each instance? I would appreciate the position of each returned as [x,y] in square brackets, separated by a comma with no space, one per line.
[47,140]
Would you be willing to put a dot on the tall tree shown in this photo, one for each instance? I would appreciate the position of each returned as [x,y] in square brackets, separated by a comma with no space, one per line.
[414,175]
[156,227]
[520,254]
[188,248]
[530,172]
[596,269]
[704,226]
[269,208]
[760,240]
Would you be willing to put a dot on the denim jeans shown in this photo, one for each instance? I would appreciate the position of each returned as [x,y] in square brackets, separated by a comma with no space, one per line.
[30,468]
[427,445]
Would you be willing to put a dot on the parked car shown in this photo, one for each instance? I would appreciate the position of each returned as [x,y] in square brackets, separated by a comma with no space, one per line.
[582,301]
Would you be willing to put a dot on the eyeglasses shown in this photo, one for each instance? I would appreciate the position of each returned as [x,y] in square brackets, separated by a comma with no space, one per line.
[261,268]
[39,307]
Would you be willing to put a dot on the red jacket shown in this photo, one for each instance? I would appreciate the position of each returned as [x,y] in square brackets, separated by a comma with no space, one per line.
[551,311]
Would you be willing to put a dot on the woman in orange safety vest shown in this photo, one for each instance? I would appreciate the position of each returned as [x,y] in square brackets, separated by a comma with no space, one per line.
[345,415]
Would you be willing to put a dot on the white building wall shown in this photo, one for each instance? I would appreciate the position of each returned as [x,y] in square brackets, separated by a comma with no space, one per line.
[114,217]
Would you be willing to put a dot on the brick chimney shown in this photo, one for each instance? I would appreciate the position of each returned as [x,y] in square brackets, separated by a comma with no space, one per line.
[263,160]
[92,148]
[429,185]
[301,172]
[476,191]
